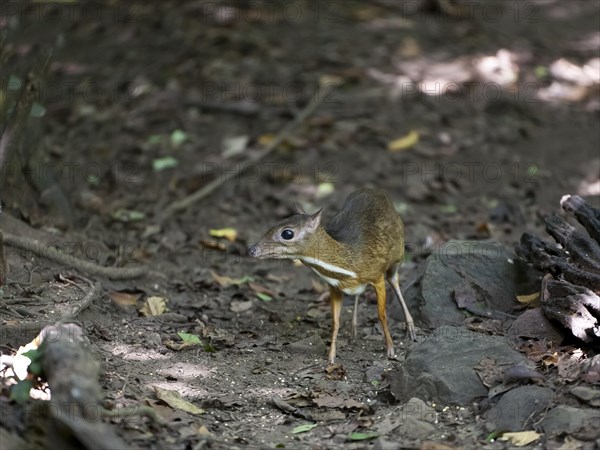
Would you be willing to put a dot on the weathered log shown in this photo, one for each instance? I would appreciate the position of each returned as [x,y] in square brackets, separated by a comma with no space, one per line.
[72,372]
[570,294]
[586,215]
[583,251]
[575,307]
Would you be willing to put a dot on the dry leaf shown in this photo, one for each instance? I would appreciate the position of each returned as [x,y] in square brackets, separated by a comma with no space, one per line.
[214,245]
[124,298]
[174,400]
[257,288]
[228,233]
[404,143]
[154,306]
[240,306]
[529,298]
[225,281]
[266,139]
[520,438]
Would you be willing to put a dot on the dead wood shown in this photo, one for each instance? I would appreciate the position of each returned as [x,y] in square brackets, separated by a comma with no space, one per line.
[570,292]
[72,372]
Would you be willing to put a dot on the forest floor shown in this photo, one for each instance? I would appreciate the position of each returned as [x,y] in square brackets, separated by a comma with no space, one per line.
[147,102]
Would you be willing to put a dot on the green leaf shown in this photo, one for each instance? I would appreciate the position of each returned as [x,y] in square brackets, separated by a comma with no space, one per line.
[303,428]
[20,391]
[449,208]
[14,83]
[178,137]
[93,179]
[532,170]
[374,383]
[37,110]
[362,436]
[154,139]
[167,162]
[190,338]
[125,215]
[541,71]
[264,297]
[208,348]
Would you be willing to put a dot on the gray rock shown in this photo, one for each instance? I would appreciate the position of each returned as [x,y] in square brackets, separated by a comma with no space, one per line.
[312,345]
[581,423]
[587,394]
[413,428]
[533,324]
[441,367]
[519,405]
[481,270]
[418,409]
[373,373]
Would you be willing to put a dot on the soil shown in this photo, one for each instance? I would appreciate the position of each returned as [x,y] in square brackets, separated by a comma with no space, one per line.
[131,84]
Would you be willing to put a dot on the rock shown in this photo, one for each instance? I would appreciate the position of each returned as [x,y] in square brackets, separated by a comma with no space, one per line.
[533,324]
[413,428]
[581,423]
[312,345]
[383,444]
[518,407]
[417,408]
[373,373]
[483,269]
[587,394]
[441,367]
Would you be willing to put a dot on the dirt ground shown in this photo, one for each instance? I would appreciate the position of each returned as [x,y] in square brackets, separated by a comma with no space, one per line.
[147,102]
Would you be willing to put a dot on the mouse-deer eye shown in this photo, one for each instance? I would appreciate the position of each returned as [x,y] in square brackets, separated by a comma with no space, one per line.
[287,234]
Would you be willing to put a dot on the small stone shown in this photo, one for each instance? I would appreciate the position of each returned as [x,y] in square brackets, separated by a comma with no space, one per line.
[587,394]
[414,428]
[373,374]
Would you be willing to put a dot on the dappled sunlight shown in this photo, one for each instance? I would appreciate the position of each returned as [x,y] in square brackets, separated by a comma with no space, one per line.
[183,388]
[186,371]
[133,353]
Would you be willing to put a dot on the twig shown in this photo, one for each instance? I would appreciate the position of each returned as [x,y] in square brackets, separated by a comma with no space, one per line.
[53,254]
[217,182]
[84,303]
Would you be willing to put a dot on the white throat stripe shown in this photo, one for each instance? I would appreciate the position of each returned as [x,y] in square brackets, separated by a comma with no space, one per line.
[328,267]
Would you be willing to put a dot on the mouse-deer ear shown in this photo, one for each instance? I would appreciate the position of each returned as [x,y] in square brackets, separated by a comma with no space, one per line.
[299,208]
[314,220]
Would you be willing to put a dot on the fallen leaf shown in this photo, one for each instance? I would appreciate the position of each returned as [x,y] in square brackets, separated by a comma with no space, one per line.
[174,400]
[258,288]
[225,281]
[189,338]
[404,143]
[264,297]
[124,298]
[154,306]
[239,307]
[325,189]
[214,245]
[335,372]
[266,139]
[520,438]
[228,233]
[362,436]
[178,137]
[124,215]
[529,298]
[233,146]
[160,164]
[303,428]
